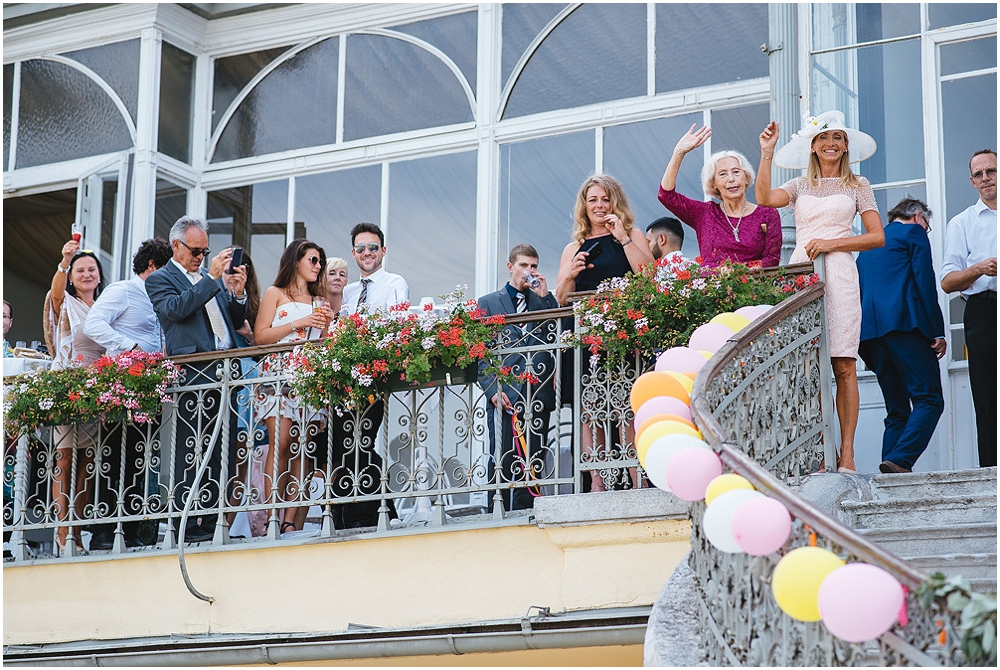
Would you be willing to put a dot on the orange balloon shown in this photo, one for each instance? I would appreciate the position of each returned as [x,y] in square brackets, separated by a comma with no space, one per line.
[660,417]
[692,375]
[658,430]
[653,384]
[686,381]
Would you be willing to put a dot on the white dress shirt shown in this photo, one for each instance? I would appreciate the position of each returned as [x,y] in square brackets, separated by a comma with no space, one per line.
[971,237]
[385,290]
[122,317]
[194,277]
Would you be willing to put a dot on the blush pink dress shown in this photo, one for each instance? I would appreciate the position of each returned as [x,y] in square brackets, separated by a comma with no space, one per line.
[826,212]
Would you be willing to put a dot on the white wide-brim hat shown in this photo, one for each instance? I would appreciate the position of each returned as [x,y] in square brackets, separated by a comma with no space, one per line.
[795,153]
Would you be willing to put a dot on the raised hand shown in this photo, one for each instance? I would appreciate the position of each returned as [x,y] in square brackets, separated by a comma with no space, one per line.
[692,139]
[769,138]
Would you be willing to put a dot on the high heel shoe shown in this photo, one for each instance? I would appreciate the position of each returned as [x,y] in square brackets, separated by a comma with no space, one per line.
[60,546]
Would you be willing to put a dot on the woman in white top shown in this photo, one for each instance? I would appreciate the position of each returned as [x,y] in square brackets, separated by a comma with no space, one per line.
[294,309]
[76,284]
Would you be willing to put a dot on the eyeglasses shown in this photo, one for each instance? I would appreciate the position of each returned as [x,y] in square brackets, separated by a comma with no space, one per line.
[989,172]
[196,252]
[371,246]
[314,260]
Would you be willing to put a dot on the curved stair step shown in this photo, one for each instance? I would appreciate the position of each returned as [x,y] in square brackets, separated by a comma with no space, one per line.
[941,511]
[910,542]
[929,485]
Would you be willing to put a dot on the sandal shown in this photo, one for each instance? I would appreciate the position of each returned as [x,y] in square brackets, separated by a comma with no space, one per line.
[287,527]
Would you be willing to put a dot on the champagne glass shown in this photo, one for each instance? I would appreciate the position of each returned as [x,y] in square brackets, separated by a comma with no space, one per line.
[77,231]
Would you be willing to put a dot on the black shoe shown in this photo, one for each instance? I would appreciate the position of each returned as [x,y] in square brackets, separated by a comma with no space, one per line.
[199,534]
[889,467]
[102,540]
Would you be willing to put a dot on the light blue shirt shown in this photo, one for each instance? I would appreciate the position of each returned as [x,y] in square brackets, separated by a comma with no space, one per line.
[971,237]
[122,317]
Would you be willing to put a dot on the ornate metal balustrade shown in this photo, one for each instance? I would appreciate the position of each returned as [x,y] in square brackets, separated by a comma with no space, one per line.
[422,456]
[763,403]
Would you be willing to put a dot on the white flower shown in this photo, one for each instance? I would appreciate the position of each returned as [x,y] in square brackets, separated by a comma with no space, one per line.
[699,284]
[45,403]
[427,343]
[609,326]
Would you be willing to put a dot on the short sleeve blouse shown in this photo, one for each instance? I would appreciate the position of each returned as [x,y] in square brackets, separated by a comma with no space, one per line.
[863,196]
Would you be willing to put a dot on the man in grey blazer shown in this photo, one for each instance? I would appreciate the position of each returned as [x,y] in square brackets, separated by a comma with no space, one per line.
[197,310]
[530,402]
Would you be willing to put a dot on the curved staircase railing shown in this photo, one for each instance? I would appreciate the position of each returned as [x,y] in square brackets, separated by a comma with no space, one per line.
[759,404]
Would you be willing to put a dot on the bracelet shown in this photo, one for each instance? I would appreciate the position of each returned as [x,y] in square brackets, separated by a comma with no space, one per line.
[625,244]
[61,269]
[766,157]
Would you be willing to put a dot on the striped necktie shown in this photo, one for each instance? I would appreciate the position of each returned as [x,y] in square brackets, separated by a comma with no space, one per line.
[522,302]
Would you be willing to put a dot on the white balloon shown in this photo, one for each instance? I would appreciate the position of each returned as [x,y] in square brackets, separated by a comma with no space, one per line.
[662,450]
[718,519]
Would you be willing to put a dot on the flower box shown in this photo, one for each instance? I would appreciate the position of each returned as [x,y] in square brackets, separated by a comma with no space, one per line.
[441,375]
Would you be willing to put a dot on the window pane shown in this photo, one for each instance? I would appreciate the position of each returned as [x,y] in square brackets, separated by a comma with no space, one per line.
[253,217]
[636,153]
[329,205]
[539,180]
[394,86]
[835,26]
[295,106]
[887,198]
[233,73]
[433,195]
[739,130]
[8,104]
[64,115]
[734,31]
[957,13]
[118,65]
[521,24]
[171,204]
[570,69]
[968,56]
[176,98]
[874,88]
[455,35]
[969,113]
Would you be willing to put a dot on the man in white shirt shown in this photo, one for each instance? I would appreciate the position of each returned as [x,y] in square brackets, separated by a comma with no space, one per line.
[970,266]
[122,319]
[377,289]
[666,237]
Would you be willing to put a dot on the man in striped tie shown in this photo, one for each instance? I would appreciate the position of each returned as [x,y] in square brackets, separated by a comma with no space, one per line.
[522,408]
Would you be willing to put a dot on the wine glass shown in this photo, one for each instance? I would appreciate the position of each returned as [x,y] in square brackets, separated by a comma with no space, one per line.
[77,231]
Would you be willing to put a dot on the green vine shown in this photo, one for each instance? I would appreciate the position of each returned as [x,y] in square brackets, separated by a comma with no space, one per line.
[979,614]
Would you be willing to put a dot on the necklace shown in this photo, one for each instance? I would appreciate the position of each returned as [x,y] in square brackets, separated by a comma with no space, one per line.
[736,228]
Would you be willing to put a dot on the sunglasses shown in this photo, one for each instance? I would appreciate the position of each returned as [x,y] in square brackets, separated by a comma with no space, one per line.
[196,252]
[371,246]
[314,260]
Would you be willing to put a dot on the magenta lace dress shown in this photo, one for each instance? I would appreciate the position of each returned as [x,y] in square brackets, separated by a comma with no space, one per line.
[827,212]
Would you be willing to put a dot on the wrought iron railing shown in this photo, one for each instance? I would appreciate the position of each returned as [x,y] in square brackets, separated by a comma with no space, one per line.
[763,403]
[422,456]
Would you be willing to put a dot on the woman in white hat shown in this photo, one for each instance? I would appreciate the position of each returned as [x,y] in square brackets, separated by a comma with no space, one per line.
[826,201]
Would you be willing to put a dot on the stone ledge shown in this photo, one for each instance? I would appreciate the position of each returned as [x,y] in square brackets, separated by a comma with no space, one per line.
[609,507]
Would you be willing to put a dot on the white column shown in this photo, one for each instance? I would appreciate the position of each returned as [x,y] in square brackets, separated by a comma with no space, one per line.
[786,95]
[488,154]
[140,221]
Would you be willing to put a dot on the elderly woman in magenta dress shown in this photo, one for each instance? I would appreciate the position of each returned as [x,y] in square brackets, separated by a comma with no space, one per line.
[826,201]
[728,226]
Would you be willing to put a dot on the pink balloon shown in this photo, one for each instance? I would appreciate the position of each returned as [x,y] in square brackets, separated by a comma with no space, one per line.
[711,336]
[858,602]
[690,470]
[663,404]
[751,311]
[761,526]
[680,359]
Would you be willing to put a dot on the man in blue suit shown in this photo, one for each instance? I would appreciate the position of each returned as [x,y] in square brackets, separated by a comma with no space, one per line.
[530,402]
[902,333]
[197,311]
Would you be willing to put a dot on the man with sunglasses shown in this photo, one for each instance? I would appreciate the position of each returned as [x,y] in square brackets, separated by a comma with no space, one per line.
[377,289]
[902,333]
[970,266]
[197,312]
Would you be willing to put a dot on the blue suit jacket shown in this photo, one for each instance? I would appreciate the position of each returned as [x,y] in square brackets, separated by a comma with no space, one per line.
[180,307]
[898,290]
[537,333]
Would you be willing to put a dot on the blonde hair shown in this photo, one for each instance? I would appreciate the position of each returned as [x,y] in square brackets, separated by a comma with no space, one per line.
[847,178]
[619,205]
[711,165]
[336,262]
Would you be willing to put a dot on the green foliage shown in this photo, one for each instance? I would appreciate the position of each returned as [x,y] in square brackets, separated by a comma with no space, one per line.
[979,614]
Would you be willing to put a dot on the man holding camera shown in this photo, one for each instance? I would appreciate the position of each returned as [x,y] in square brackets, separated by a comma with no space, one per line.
[523,408]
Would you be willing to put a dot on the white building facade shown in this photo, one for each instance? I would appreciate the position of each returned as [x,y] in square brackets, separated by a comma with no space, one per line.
[462,129]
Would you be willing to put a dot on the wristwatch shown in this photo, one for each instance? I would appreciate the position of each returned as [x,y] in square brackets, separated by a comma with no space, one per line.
[61,269]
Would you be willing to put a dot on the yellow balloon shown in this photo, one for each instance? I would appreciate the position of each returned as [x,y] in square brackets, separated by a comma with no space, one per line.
[658,430]
[731,319]
[686,381]
[706,354]
[796,580]
[727,482]
[661,417]
[653,384]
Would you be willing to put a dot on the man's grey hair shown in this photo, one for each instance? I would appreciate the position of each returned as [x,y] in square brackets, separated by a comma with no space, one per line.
[184,224]
[907,208]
